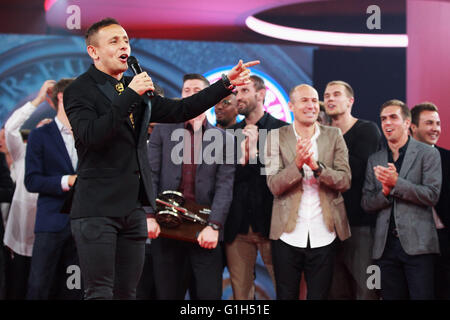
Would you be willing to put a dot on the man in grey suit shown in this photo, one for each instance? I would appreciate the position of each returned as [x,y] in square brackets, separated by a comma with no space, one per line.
[402,185]
[204,175]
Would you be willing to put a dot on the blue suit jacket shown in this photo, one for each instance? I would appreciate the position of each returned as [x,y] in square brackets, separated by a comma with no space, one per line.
[213,180]
[46,162]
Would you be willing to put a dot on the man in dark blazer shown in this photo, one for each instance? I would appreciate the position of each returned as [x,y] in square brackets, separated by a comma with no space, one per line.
[402,184]
[248,223]
[426,127]
[182,160]
[109,114]
[50,163]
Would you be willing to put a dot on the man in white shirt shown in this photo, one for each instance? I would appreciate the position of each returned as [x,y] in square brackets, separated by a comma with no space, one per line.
[307,170]
[19,227]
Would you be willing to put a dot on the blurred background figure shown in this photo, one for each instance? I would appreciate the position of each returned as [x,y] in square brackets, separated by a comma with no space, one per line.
[19,226]
[323,118]
[226,111]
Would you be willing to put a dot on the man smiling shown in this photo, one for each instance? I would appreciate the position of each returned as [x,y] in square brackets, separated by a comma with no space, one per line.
[402,185]
[307,172]
[426,127]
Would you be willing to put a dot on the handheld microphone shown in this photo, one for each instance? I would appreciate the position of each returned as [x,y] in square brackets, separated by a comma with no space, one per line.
[136,68]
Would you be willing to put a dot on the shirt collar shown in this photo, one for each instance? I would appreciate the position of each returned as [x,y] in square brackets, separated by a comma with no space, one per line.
[403,149]
[61,127]
[315,135]
[261,123]
[106,77]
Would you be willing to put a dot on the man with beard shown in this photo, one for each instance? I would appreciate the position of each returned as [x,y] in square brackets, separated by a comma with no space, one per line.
[248,223]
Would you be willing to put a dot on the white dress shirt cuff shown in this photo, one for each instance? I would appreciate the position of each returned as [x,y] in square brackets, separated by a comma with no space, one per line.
[65,183]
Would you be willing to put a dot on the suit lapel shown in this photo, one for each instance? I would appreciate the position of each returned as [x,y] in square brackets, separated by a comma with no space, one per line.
[108,91]
[410,156]
[142,137]
[323,142]
[60,145]
[288,135]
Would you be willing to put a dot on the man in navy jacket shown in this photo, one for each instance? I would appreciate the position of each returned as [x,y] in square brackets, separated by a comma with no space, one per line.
[50,165]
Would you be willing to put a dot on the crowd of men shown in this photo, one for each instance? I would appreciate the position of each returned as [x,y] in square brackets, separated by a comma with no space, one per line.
[326,197]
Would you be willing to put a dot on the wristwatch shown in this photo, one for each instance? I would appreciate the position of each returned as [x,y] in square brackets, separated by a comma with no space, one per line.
[226,82]
[214,226]
[319,169]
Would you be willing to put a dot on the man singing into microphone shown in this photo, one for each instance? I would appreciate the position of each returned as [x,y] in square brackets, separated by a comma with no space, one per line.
[109,115]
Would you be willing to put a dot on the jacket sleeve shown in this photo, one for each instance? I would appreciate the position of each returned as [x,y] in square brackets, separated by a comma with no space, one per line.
[36,180]
[165,110]
[427,192]
[14,140]
[373,199]
[280,179]
[155,157]
[339,176]
[223,193]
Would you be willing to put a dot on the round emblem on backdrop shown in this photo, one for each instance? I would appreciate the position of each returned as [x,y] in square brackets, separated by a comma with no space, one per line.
[275,103]
[26,66]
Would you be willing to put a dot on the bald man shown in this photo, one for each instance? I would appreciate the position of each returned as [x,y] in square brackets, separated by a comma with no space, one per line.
[307,171]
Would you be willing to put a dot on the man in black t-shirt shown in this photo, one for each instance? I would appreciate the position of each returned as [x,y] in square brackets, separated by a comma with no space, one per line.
[362,138]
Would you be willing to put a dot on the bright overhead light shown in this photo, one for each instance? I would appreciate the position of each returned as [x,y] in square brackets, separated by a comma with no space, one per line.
[326,37]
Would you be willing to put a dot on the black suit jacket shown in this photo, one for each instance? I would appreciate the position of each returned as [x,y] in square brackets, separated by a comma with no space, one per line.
[252,199]
[113,166]
[443,205]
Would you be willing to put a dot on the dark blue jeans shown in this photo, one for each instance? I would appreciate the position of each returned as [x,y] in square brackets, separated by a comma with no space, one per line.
[111,251]
[53,252]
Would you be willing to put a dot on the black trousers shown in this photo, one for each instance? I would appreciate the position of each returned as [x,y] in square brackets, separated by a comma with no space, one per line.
[442,268]
[289,262]
[53,253]
[111,251]
[177,263]
[405,276]
[17,271]
[146,286]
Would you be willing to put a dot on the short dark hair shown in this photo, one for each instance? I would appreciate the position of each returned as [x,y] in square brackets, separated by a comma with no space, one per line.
[406,113]
[196,76]
[258,82]
[60,86]
[419,108]
[93,29]
[347,87]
